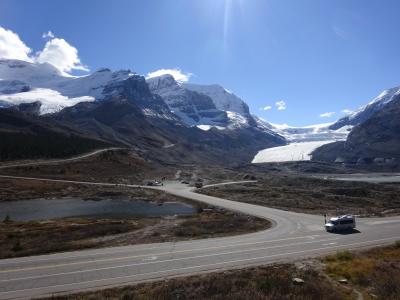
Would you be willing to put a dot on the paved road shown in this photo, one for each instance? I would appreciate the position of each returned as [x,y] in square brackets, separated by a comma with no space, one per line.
[362,177]
[293,236]
[57,161]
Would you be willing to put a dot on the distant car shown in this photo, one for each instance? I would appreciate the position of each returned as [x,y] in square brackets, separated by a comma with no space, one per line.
[341,223]
[185,182]
[154,183]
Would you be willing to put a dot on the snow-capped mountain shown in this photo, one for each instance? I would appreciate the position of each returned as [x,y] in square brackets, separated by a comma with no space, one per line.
[25,82]
[302,141]
[375,141]
[191,107]
[204,106]
[365,112]
[223,99]
[318,132]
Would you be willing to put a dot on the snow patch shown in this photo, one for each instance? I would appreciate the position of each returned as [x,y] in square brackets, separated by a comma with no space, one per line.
[317,132]
[52,101]
[291,152]
[208,127]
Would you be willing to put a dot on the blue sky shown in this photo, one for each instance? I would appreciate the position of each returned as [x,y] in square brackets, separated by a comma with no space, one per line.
[316,56]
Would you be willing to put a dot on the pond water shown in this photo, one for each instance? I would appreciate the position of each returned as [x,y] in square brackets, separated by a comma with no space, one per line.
[42,209]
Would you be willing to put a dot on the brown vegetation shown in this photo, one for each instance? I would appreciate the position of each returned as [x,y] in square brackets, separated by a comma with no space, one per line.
[113,166]
[376,272]
[40,237]
[317,196]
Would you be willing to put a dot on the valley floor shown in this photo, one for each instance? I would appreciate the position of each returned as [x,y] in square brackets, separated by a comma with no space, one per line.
[314,196]
[18,238]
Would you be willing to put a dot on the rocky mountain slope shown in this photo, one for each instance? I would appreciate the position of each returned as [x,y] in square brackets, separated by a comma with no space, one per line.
[365,112]
[205,106]
[24,135]
[376,140]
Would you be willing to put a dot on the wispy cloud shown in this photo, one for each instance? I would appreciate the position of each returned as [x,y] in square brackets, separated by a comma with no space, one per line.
[280,105]
[347,111]
[48,34]
[341,33]
[178,75]
[327,114]
[268,107]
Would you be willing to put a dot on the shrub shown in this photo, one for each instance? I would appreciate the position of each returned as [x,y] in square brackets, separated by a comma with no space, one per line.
[344,255]
[7,219]
[17,246]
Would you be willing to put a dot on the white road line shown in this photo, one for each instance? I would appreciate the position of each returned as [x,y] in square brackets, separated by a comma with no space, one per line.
[163,261]
[229,183]
[328,244]
[144,249]
[199,266]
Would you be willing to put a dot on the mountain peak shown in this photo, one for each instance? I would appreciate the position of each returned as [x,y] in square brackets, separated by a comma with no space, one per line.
[163,81]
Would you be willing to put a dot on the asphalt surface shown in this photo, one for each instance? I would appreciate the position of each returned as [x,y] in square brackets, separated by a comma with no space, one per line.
[370,177]
[56,161]
[292,237]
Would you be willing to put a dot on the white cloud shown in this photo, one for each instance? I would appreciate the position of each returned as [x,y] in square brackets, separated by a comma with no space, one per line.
[268,107]
[347,111]
[280,105]
[57,52]
[48,34]
[62,55]
[327,114]
[11,46]
[178,75]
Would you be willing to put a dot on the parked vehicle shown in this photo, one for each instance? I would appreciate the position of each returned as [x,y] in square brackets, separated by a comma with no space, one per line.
[154,183]
[341,223]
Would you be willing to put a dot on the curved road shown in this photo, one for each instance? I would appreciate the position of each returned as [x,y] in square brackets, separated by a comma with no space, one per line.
[293,236]
[57,161]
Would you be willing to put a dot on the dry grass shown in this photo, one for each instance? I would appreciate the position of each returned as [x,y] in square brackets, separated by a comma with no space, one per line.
[117,166]
[376,271]
[304,194]
[40,237]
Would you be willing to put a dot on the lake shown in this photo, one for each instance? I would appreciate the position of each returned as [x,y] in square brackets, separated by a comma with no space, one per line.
[42,209]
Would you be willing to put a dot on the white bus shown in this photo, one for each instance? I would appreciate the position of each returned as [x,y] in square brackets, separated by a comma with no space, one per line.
[346,222]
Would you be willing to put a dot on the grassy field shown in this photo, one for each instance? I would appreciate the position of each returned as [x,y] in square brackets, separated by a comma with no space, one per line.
[317,196]
[375,272]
